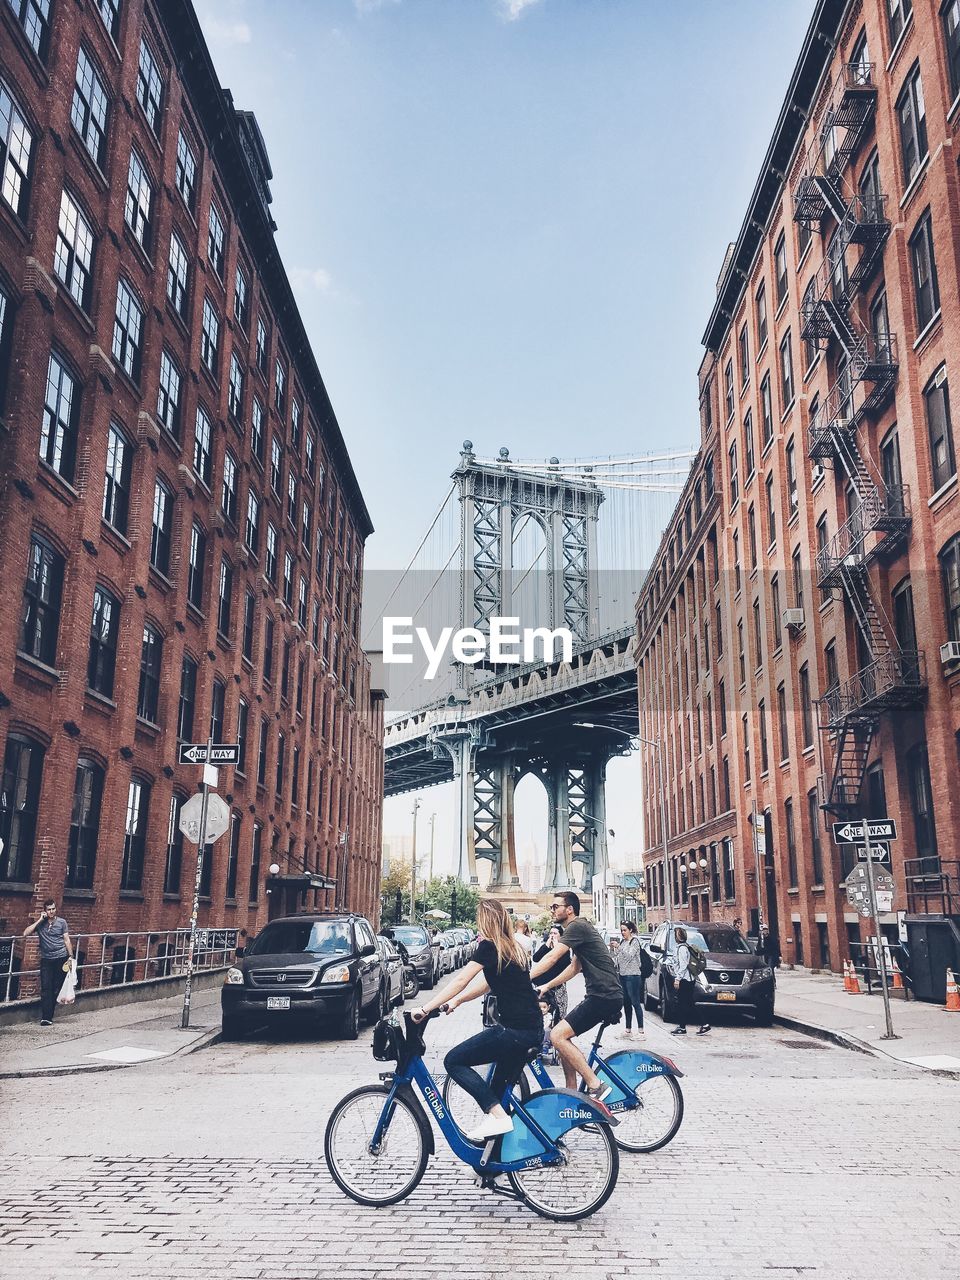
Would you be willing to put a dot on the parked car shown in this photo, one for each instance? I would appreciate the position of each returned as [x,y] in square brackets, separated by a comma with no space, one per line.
[415,941]
[317,966]
[453,947]
[734,976]
[393,966]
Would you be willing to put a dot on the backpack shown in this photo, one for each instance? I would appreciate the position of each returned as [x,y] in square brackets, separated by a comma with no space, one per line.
[646,964]
[698,961]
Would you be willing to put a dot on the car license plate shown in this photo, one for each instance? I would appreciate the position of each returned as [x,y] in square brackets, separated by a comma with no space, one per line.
[726,995]
[278,1002]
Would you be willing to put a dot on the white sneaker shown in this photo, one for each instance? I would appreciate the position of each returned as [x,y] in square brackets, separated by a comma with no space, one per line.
[490,1127]
[639,1035]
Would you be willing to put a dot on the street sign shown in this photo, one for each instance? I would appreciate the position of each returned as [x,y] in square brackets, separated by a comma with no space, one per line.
[878,852]
[220,753]
[218,818]
[852,832]
[858,889]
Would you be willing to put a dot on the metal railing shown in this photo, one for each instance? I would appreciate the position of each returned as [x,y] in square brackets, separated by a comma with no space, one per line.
[873,359]
[880,681]
[933,886]
[115,959]
[881,509]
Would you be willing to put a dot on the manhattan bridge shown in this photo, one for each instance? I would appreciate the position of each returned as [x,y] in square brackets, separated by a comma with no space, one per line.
[553,544]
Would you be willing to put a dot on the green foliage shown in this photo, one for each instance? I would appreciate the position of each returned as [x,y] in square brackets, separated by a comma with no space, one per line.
[440,896]
[542,924]
[395,881]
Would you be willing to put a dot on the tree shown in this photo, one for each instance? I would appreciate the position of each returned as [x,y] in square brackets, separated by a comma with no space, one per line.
[461,906]
[395,892]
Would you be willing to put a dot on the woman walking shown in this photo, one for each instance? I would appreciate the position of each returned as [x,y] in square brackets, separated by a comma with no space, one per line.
[629,961]
[505,969]
[684,983]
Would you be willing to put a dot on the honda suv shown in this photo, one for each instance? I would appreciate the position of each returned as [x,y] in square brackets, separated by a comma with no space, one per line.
[734,975]
[309,966]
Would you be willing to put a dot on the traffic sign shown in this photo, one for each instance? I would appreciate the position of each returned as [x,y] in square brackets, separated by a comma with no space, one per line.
[218,818]
[858,889]
[878,852]
[220,753]
[852,832]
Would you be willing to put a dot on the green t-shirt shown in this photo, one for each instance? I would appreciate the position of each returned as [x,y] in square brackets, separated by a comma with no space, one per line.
[599,971]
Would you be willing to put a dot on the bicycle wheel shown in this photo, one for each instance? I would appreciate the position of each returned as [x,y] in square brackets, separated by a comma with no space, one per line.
[464,1111]
[390,1174]
[578,1187]
[655,1119]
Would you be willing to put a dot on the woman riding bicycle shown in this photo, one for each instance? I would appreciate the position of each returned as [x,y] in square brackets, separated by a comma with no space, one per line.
[504,966]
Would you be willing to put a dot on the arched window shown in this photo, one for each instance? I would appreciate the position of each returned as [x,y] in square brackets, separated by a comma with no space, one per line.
[84,824]
[19,806]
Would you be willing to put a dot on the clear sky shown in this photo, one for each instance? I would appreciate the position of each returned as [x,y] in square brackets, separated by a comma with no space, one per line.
[504,221]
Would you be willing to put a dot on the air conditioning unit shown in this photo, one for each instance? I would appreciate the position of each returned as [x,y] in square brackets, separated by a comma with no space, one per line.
[793,617]
[950,653]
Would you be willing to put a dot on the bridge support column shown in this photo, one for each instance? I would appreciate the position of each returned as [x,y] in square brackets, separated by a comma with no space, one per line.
[460,744]
[505,875]
[559,863]
[597,791]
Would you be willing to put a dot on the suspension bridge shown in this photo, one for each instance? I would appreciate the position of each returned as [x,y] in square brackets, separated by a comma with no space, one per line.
[555,545]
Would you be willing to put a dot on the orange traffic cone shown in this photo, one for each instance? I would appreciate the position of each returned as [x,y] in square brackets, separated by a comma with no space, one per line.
[953,995]
[854,981]
[846,976]
[897,984]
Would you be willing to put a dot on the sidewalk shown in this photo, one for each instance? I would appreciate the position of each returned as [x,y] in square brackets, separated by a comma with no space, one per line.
[103,1039]
[816,1002]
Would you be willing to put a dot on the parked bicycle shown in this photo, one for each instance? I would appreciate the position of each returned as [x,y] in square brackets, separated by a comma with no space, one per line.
[560,1158]
[644,1094]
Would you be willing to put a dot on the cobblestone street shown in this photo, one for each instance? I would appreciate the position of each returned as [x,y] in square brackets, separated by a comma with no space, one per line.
[793,1159]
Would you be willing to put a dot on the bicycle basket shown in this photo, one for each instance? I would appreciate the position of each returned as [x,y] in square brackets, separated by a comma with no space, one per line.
[387,1041]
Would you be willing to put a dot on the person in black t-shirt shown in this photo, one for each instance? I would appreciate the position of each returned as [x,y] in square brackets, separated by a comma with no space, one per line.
[503,964]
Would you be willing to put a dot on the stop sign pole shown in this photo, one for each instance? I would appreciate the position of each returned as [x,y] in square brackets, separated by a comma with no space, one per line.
[201,840]
[881,957]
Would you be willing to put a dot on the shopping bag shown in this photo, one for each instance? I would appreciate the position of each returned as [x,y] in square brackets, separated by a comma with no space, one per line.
[68,992]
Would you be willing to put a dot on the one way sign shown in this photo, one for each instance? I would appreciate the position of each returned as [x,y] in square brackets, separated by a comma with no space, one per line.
[852,832]
[219,753]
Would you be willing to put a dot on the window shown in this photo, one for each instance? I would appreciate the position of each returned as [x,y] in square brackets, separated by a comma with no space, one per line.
[807,307]
[268,651]
[722,707]
[309,454]
[138,207]
[251,531]
[135,835]
[174,860]
[281,753]
[233,857]
[249,616]
[939,429]
[218,698]
[743,347]
[149,87]
[276,466]
[224,597]
[151,659]
[261,350]
[34,17]
[116,490]
[822,539]
[161,526]
[761,312]
[782,722]
[235,387]
[228,492]
[305,521]
[816,848]
[912,118]
[747,775]
[187,705]
[84,824]
[128,332]
[241,297]
[254,890]
[950,17]
[797,579]
[256,429]
[793,492]
[924,823]
[806,707]
[757,634]
[210,338]
[734,476]
[831,669]
[786,372]
[762,733]
[890,469]
[280,388]
[104,630]
[748,453]
[292,498]
[771,510]
[741,654]
[791,839]
[775,610]
[780,267]
[288,579]
[766,410]
[315,626]
[73,255]
[302,602]
[19,805]
[177,276]
[243,720]
[270,564]
[899,13]
[186,176]
[61,410]
[168,395]
[737,579]
[202,447]
[926,290]
[198,554]
[16,153]
[728,389]
[950,571]
[752,536]
[89,109]
[215,238]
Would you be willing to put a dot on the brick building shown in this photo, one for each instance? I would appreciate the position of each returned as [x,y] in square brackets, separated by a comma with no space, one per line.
[181,530]
[815,672]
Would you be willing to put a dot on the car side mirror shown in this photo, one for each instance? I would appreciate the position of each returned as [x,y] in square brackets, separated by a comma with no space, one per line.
[368,949]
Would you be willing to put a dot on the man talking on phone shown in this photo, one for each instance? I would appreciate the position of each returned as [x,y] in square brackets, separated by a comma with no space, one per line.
[55,948]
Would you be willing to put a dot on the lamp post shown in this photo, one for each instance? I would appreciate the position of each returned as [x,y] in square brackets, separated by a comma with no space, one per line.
[433,820]
[648,742]
[413,875]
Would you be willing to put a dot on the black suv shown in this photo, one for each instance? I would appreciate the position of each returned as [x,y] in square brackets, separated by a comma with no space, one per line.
[735,976]
[414,941]
[316,966]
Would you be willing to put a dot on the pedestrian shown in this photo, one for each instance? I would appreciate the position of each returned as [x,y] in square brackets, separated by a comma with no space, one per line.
[241,948]
[684,984]
[771,949]
[629,958]
[521,931]
[555,1001]
[56,947]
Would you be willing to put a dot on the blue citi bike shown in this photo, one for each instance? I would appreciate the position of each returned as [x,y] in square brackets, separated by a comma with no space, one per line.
[644,1094]
[559,1159]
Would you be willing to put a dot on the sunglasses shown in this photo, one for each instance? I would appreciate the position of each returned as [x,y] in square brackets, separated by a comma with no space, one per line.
[557,906]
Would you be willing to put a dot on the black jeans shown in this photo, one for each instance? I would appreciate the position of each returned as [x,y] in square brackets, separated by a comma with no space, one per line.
[51,980]
[685,1004]
[632,985]
[503,1046]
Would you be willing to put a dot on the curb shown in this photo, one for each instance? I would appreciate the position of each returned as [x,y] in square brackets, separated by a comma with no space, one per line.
[845,1041]
[213,1036]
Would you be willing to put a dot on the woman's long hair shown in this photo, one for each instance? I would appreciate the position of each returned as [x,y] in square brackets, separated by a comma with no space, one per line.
[496,926]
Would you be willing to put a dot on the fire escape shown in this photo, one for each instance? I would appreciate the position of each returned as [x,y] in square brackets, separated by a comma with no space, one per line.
[865,365]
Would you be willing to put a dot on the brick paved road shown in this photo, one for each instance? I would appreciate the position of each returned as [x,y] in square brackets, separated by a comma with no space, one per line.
[795,1159]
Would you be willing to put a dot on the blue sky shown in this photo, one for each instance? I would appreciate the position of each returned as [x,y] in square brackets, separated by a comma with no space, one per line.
[504,219]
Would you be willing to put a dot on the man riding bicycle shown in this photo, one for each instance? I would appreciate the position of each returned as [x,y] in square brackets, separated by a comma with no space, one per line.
[603,1001]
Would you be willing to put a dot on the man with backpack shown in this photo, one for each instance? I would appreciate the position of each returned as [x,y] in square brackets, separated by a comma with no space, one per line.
[687,965]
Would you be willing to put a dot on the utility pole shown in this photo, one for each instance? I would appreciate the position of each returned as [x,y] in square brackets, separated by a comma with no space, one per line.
[413,877]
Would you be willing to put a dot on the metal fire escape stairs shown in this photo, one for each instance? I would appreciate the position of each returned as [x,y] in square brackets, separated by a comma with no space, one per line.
[866,371]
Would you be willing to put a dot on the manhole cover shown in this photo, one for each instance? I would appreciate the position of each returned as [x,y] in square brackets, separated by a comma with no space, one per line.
[802,1044]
